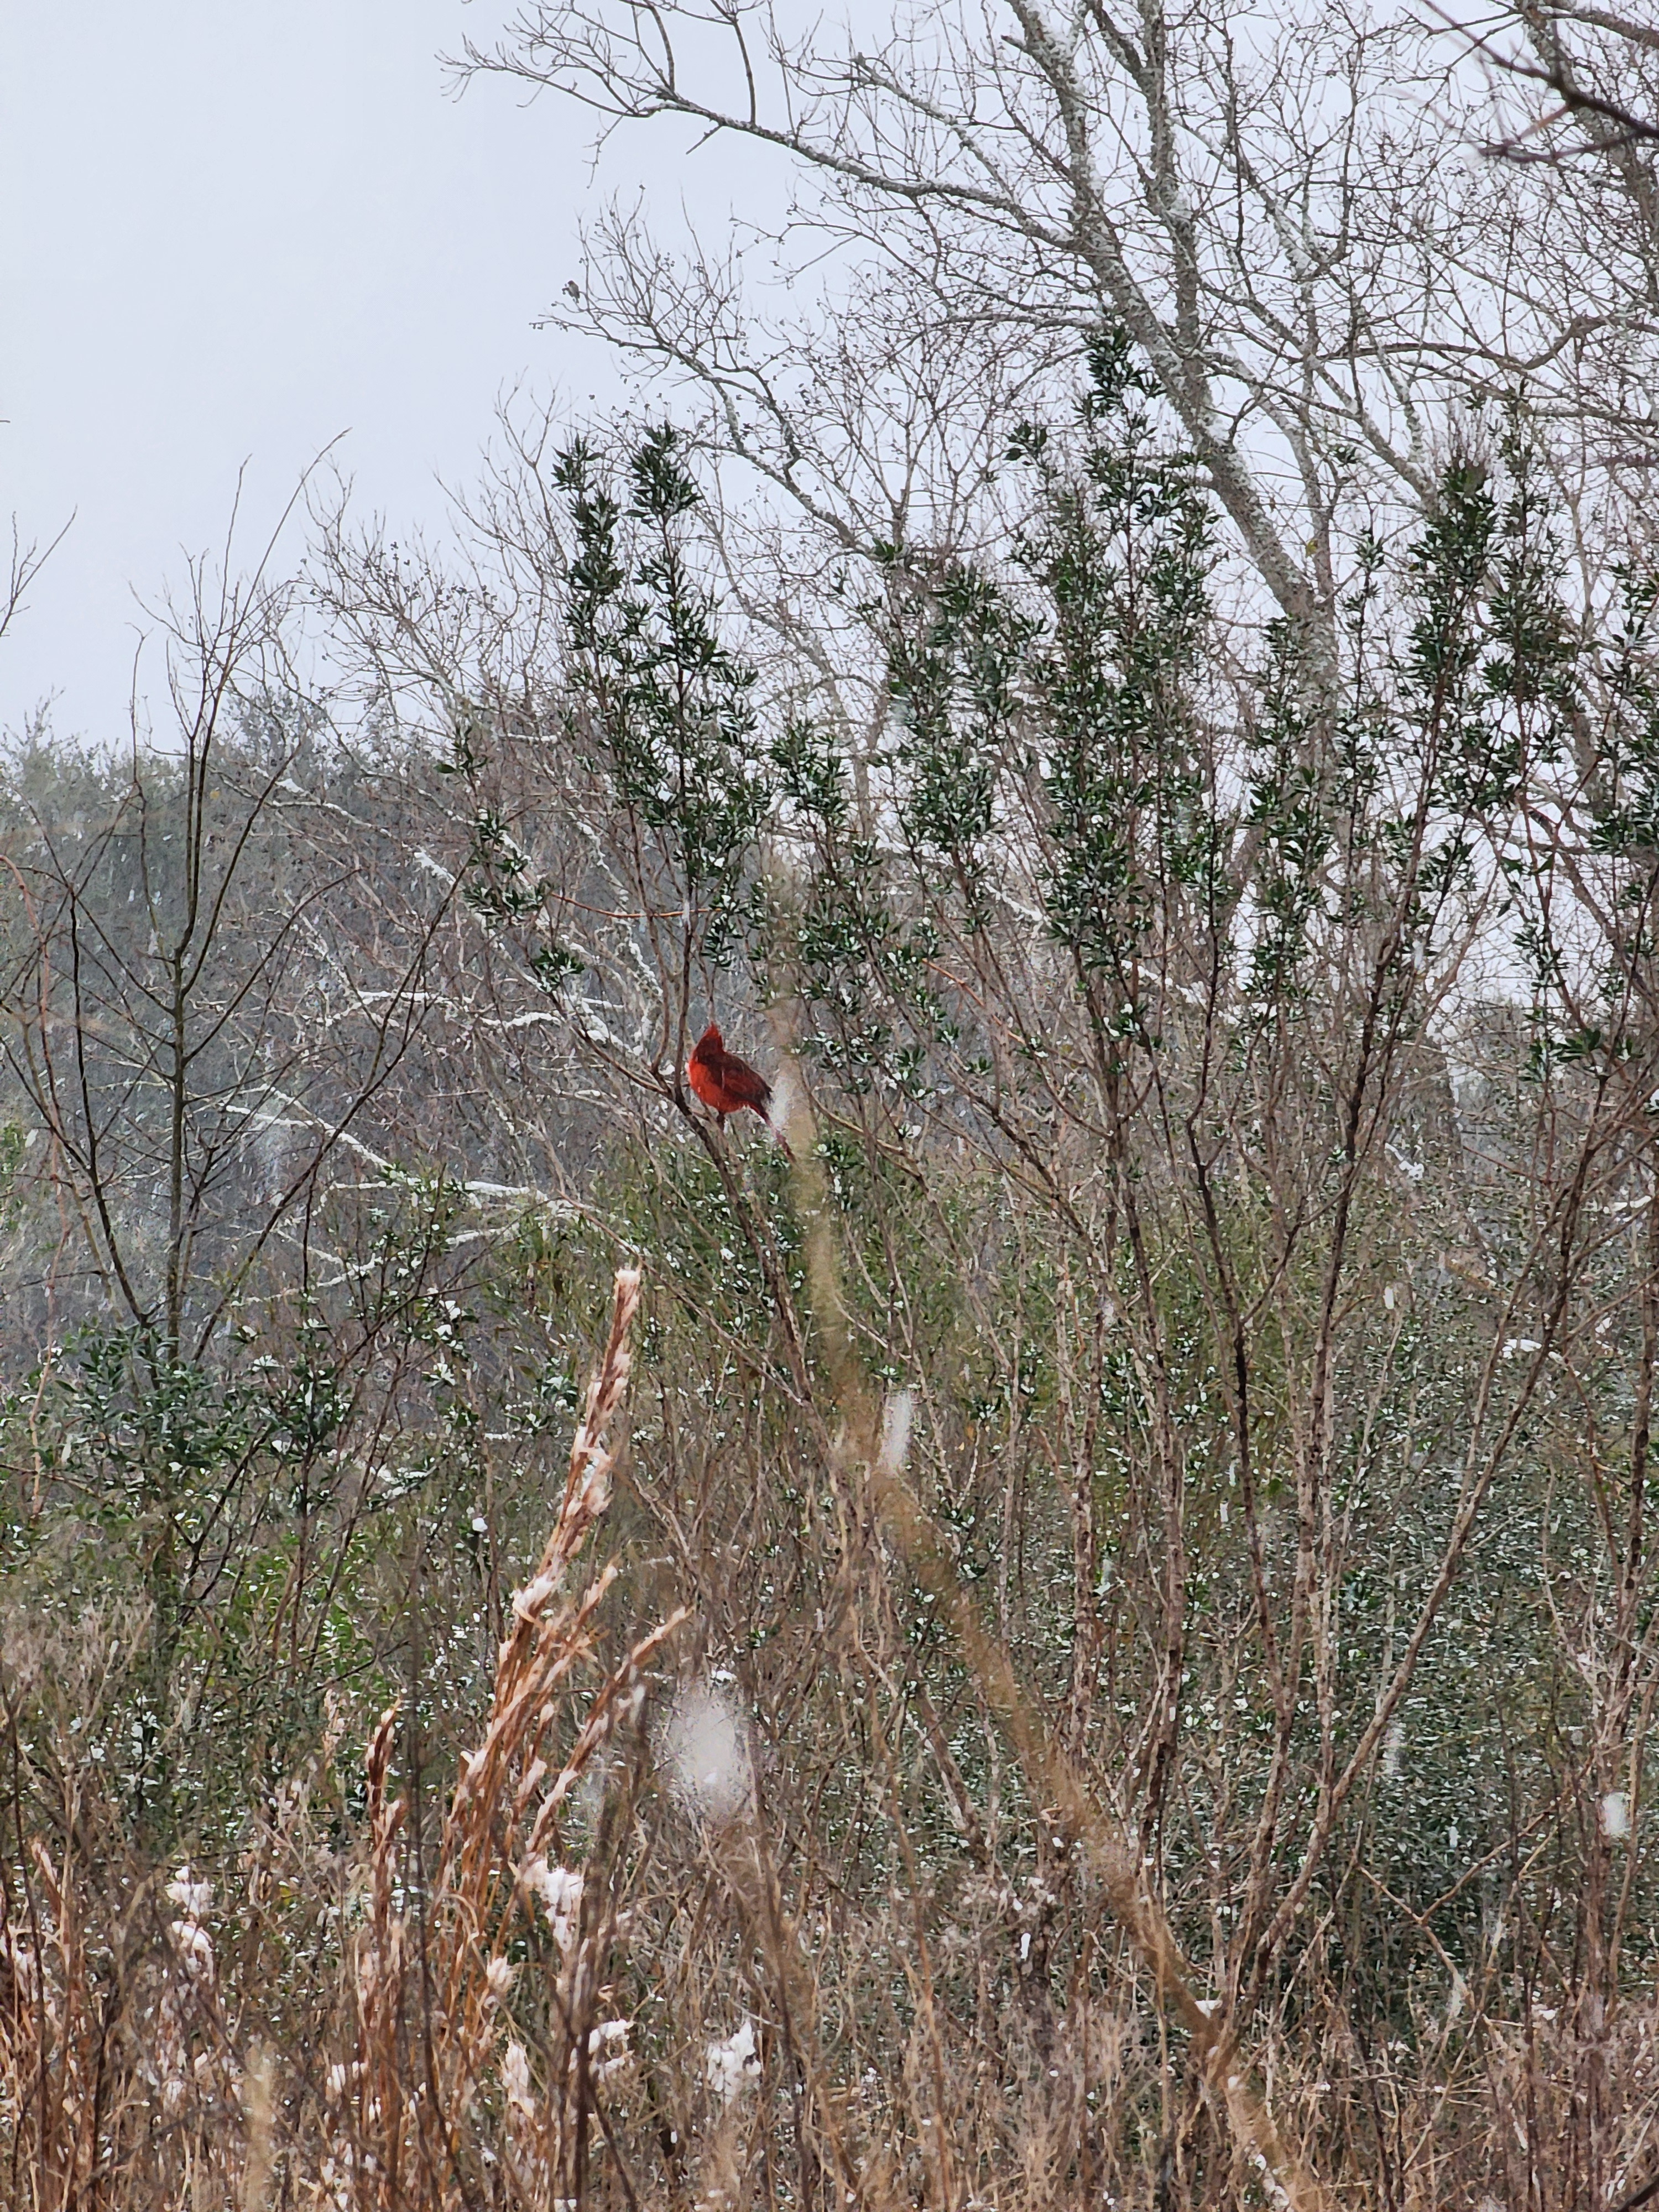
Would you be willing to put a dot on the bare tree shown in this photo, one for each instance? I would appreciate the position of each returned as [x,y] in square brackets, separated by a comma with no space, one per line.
[26,564]
[1601,80]
[152,990]
[1296,230]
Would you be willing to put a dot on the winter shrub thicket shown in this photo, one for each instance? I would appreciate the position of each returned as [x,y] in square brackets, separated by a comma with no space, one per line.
[1116,1657]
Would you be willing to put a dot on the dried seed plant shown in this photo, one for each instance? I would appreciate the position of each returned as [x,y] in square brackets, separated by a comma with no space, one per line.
[433,2048]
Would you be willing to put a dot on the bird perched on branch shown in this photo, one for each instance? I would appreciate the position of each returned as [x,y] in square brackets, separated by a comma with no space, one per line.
[726,1084]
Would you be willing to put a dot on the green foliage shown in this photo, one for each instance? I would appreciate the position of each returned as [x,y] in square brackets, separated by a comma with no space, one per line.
[665,702]
[1121,551]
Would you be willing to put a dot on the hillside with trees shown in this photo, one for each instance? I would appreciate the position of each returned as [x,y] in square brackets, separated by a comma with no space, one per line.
[1072,1619]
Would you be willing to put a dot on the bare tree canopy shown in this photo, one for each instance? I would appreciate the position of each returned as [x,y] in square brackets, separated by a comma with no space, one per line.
[1291,220]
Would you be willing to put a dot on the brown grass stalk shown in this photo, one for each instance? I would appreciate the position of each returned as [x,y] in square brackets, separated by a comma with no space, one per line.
[435,1977]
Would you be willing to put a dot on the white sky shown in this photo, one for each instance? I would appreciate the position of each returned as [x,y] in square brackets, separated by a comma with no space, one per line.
[231,230]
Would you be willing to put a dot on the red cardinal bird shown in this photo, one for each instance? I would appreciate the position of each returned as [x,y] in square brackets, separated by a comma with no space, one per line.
[725,1083]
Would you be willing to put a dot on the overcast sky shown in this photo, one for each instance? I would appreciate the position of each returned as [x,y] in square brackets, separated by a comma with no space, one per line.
[233,230]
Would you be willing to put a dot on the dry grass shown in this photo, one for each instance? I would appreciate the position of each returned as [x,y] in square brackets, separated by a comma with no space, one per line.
[616,1969]
[121,2073]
